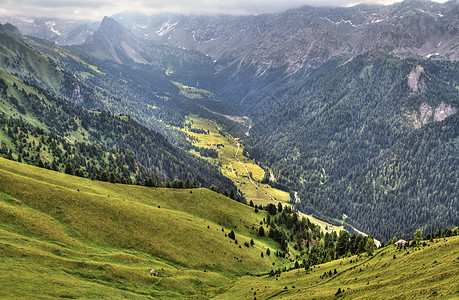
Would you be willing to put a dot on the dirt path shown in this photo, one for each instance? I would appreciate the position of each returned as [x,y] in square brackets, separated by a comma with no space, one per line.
[247,171]
[242,164]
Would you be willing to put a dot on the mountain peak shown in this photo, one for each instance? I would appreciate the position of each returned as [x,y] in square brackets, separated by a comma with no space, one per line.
[111,26]
[10,28]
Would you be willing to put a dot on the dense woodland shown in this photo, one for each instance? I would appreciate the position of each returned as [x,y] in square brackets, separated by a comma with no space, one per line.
[95,142]
[320,136]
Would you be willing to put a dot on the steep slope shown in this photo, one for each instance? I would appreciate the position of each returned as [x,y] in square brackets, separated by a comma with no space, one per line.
[61,31]
[413,185]
[96,239]
[29,65]
[144,86]
[314,133]
[308,36]
[72,123]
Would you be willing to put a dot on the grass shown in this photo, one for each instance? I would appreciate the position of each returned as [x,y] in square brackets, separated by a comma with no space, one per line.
[190,92]
[416,273]
[68,237]
[102,237]
[231,168]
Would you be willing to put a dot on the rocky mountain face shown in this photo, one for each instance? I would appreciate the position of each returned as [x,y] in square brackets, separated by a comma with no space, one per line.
[297,38]
[113,42]
[61,31]
[308,36]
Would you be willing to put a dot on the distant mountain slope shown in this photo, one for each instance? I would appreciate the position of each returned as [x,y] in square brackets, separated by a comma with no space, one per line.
[144,88]
[315,132]
[308,36]
[73,123]
[61,31]
[29,65]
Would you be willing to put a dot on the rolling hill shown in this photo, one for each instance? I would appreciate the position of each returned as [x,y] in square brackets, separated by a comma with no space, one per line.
[66,236]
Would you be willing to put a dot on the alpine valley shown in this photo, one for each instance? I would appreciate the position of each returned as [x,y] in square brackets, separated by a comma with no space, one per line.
[306,154]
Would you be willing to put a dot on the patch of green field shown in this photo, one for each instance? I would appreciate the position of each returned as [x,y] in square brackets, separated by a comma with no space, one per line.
[231,168]
[423,272]
[96,239]
[191,92]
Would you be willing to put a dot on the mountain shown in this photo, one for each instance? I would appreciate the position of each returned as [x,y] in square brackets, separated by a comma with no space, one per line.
[38,96]
[323,132]
[19,59]
[307,36]
[60,31]
[329,95]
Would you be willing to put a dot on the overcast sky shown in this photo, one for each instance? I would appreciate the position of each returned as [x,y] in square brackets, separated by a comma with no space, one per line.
[96,9]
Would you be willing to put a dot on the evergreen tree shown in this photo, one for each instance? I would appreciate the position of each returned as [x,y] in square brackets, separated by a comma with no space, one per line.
[68,169]
[261,231]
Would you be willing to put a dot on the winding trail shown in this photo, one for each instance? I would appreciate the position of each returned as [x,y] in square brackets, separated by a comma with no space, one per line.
[248,175]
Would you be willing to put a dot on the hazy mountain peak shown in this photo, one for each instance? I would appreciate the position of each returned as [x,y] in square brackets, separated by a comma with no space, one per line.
[10,28]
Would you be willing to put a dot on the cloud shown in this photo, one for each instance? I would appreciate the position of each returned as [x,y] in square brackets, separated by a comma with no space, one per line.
[96,9]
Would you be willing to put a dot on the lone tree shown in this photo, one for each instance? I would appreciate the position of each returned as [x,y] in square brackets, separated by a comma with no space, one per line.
[231,235]
[261,231]
[69,169]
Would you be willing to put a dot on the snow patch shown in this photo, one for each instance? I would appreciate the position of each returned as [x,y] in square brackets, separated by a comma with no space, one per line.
[50,25]
[432,54]
[340,22]
[165,28]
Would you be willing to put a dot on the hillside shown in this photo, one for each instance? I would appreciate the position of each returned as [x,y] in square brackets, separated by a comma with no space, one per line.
[319,134]
[97,239]
[423,272]
[64,132]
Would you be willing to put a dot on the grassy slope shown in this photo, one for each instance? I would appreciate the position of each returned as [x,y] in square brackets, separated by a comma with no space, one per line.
[64,236]
[227,160]
[95,238]
[228,163]
[416,273]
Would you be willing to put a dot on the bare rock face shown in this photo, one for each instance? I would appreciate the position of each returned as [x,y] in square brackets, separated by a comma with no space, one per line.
[309,36]
[61,31]
[443,111]
[294,39]
[414,81]
[427,113]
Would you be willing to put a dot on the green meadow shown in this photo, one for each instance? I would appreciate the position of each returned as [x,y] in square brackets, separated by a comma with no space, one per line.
[91,238]
[64,236]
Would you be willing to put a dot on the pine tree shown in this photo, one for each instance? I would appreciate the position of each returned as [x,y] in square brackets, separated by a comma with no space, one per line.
[69,169]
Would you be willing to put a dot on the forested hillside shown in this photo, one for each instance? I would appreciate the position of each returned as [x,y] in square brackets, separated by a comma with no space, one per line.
[39,128]
[315,133]
[144,89]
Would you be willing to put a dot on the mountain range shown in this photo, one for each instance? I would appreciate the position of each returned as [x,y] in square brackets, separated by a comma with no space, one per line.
[329,94]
